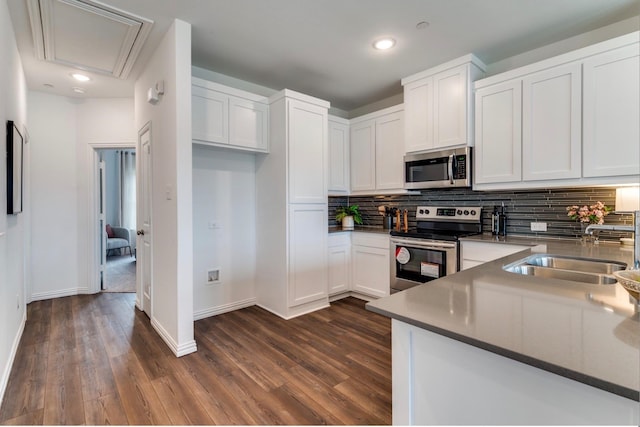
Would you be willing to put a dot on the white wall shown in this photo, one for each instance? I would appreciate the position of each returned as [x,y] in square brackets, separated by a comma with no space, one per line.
[223,198]
[171,182]
[62,135]
[13,228]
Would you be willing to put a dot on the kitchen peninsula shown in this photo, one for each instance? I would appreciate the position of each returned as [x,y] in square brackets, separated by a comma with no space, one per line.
[487,346]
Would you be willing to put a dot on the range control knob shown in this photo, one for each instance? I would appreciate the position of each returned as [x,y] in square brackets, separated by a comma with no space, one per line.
[473,212]
[426,211]
[466,212]
[459,212]
[421,211]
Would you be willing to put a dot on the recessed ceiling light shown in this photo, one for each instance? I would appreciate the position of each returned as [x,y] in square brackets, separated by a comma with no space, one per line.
[80,77]
[422,25]
[384,44]
[78,89]
[49,85]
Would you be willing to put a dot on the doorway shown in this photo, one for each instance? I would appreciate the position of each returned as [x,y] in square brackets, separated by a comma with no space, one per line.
[117,219]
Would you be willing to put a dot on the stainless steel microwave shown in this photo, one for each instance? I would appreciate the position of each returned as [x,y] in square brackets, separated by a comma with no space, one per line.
[438,169]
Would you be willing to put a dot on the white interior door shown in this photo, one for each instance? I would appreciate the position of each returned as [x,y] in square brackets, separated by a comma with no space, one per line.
[144,254]
[101,223]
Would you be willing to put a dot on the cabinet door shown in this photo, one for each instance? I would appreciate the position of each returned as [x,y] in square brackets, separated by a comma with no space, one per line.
[389,151]
[450,107]
[611,109]
[551,124]
[339,261]
[363,152]
[307,253]
[418,114]
[210,115]
[307,152]
[498,150]
[370,270]
[338,157]
[248,124]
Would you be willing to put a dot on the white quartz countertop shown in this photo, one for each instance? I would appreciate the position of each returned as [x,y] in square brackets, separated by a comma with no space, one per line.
[589,333]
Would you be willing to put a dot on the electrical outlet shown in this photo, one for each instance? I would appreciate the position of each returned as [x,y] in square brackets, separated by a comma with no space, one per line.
[213,276]
[538,226]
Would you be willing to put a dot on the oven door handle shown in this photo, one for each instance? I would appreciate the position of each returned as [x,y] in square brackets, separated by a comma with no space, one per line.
[424,245]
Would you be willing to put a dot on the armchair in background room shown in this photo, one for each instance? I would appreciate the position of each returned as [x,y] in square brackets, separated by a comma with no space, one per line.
[119,238]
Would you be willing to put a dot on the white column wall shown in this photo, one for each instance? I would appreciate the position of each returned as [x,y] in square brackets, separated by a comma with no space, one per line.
[171,182]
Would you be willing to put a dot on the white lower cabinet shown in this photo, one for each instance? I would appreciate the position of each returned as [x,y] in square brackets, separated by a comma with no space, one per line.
[307,258]
[476,253]
[370,264]
[339,261]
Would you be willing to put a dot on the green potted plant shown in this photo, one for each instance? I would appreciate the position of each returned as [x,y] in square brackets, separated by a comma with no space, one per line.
[348,215]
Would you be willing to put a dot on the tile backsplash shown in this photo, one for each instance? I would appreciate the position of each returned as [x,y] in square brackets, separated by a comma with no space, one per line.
[522,208]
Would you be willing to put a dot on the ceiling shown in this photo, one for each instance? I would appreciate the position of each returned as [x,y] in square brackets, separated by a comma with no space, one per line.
[324,47]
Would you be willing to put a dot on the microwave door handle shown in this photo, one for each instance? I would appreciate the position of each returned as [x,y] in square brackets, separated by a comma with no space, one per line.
[450,168]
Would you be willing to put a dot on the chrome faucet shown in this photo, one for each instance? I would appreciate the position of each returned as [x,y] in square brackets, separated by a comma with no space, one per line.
[635,229]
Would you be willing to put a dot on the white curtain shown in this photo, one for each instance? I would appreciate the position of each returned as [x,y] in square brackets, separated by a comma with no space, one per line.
[127,188]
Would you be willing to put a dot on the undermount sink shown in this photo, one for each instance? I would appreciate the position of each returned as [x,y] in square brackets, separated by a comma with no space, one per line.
[585,270]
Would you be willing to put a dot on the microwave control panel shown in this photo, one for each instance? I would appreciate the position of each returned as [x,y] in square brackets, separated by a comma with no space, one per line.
[460,167]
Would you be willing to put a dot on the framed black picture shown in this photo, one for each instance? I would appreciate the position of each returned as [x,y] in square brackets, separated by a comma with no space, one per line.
[15,144]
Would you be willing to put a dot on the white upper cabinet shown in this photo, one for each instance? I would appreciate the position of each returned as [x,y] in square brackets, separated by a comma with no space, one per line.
[248,124]
[498,150]
[228,117]
[307,131]
[210,115]
[389,152]
[338,155]
[438,105]
[571,120]
[363,156]
[551,126]
[418,104]
[611,100]
[451,99]
[377,151]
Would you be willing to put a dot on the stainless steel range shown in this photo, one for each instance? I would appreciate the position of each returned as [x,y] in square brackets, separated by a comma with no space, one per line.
[431,250]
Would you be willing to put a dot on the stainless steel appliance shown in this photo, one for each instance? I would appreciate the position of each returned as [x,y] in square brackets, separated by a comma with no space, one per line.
[438,169]
[431,249]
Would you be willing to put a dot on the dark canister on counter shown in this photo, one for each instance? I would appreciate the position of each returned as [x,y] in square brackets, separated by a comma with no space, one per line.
[499,221]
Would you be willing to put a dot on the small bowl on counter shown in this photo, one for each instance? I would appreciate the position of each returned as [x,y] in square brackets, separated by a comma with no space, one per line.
[630,280]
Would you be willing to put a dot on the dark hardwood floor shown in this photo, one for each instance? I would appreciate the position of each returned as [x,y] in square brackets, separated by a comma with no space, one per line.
[94,359]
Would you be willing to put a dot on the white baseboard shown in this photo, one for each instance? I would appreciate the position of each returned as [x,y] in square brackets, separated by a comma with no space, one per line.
[225,308]
[177,349]
[12,356]
[38,296]
[358,295]
[296,313]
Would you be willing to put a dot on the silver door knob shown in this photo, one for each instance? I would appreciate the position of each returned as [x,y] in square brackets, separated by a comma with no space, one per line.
[140,232]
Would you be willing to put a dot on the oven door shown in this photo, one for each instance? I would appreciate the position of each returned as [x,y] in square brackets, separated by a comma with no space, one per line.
[417,261]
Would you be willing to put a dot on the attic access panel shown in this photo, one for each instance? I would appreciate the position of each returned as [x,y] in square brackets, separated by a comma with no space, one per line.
[87,35]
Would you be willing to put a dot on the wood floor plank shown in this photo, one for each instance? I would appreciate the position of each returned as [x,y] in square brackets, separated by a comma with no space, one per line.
[139,400]
[180,404]
[63,393]
[29,419]
[105,410]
